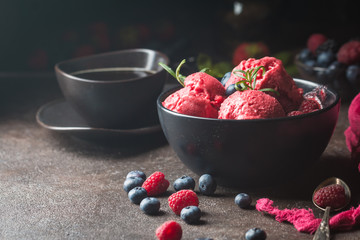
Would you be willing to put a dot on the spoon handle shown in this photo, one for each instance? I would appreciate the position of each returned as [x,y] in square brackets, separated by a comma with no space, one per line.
[323,231]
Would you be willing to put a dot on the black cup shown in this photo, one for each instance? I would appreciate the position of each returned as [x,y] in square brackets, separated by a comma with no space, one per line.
[115,89]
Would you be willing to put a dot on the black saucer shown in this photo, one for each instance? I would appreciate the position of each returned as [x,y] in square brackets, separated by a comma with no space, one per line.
[59,116]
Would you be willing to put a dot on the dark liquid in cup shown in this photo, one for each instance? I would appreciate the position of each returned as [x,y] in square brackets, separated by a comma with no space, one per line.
[112,74]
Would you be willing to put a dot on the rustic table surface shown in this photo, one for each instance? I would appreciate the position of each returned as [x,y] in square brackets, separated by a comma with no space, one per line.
[56,186]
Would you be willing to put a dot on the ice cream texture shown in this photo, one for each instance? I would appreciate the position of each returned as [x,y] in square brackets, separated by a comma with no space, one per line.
[275,77]
[204,95]
[250,104]
[201,96]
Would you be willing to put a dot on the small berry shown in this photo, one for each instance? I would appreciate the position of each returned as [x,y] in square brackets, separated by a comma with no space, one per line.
[136,173]
[349,53]
[137,194]
[305,54]
[132,182]
[184,182]
[156,184]
[255,234]
[335,70]
[225,78]
[243,200]
[150,205]
[190,214]
[207,184]
[353,75]
[230,89]
[328,45]
[325,58]
[183,198]
[169,230]
[332,195]
[309,105]
[315,40]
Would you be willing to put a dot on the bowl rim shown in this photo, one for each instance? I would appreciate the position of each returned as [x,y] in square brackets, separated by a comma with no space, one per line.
[286,118]
[58,66]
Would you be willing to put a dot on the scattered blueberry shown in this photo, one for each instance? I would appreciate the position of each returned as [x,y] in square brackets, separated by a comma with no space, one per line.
[255,234]
[325,58]
[184,182]
[190,214]
[137,194]
[353,75]
[243,200]
[132,182]
[230,89]
[207,184]
[136,173]
[150,205]
[305,54]
[225,78]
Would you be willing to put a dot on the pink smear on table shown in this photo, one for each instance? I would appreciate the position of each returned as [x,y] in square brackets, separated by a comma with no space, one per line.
[304,219]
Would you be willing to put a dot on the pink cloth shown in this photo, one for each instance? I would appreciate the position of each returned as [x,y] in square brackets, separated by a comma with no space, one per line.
[304,219]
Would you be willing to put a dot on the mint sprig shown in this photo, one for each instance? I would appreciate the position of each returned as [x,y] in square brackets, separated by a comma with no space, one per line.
[179,77]
[249,80]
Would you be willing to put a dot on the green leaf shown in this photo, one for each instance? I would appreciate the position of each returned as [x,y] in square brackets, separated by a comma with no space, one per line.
[203,61]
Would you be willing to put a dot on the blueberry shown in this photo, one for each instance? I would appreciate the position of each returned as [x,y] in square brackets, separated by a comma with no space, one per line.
[207,184]
[150,205]
[353,75]
[305,54]
[190,214]
[255,234]
[137,194]
[243,200]
[136,173]
[230,89]
[335,70]
[132,182]
[225,78]
[325,58]
[309,64]
[184,182]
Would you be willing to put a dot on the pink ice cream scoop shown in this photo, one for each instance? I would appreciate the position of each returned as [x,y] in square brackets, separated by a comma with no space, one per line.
[275,77]
[250,104]
[201,96]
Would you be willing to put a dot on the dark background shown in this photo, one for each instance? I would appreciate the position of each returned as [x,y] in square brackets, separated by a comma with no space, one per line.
[38,33]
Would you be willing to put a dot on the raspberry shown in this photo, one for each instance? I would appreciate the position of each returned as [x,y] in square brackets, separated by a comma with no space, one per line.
[169,230]
[349,53]
[314,41]
[249,50]
[309,105]
[156,184]
[332,195]
[183,198]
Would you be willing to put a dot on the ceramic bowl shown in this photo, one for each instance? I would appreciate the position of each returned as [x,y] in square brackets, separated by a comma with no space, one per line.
[251,153]
[114,89]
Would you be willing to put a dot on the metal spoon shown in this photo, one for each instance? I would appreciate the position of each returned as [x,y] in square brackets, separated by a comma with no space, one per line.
[323,231]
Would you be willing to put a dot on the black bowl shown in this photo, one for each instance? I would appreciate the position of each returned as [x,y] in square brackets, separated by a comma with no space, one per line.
[251,153]
[115,89]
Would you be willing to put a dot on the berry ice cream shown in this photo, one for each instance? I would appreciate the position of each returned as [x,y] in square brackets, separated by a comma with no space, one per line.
[255,89]
[275,77]
[250,104]
[201,96]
